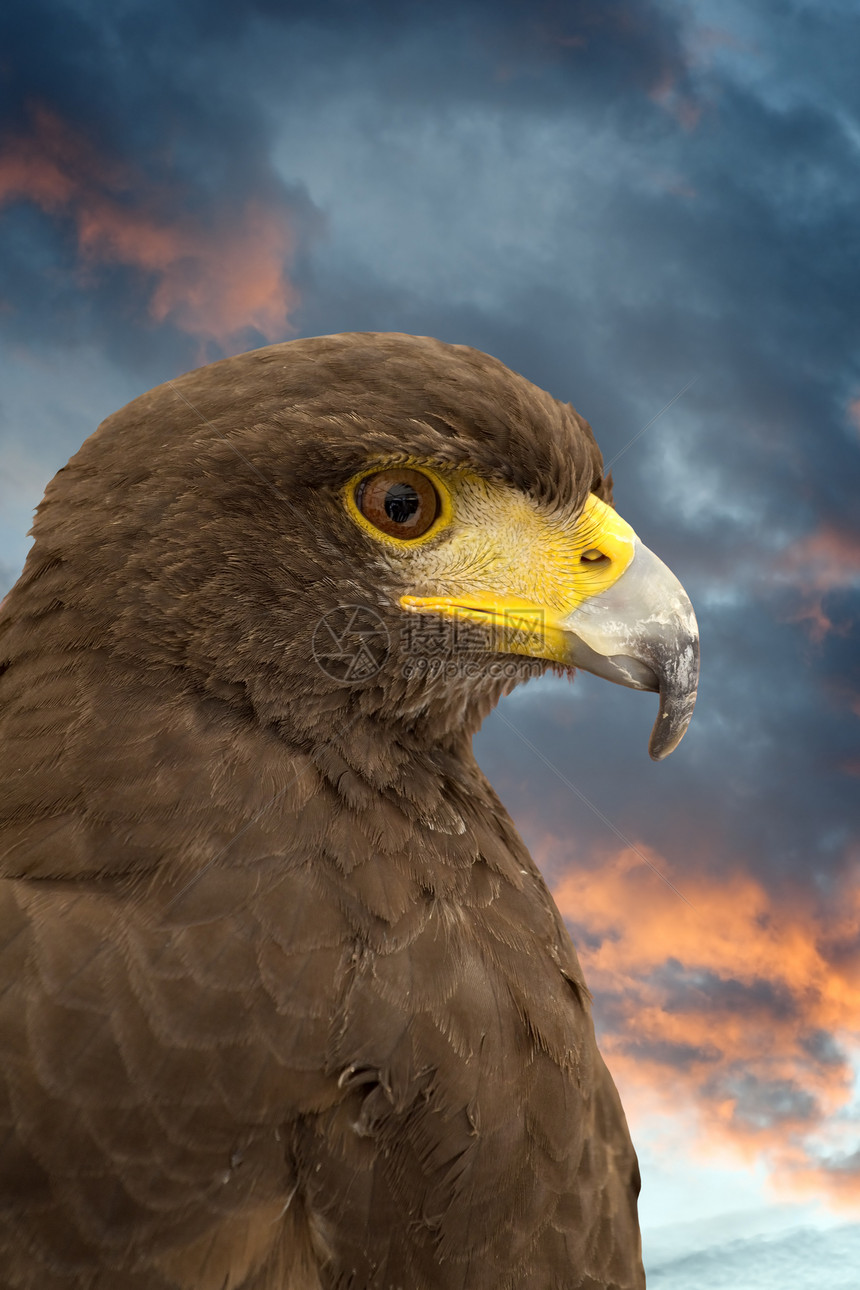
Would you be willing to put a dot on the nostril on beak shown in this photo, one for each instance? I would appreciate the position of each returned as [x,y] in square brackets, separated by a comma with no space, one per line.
[594,558]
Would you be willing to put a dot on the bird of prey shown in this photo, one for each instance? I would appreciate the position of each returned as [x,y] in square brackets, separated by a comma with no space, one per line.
[285,1003]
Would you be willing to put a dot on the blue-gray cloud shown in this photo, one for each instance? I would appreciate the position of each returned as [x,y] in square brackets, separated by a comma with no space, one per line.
[805,1259]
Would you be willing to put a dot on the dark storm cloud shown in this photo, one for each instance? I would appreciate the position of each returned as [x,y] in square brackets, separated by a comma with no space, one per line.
[168,114]
[761,1103]
[138,204]
[707,991]
[823,1048]
[666,1053]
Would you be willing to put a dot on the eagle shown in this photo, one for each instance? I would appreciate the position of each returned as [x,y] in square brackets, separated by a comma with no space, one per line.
[285,1003]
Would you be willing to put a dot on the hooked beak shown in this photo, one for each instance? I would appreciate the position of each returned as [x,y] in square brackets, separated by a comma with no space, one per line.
[621,614]
[642,632]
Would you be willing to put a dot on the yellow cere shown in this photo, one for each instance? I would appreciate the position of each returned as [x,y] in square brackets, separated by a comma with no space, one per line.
[495,556]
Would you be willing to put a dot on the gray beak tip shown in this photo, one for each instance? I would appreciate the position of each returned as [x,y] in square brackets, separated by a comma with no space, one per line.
[661,744]
[676,710]
[642,633]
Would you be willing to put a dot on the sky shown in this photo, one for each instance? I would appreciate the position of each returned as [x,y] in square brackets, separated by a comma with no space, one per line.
[649,208]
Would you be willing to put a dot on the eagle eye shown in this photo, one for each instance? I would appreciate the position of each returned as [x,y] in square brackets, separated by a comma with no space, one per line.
[400,502]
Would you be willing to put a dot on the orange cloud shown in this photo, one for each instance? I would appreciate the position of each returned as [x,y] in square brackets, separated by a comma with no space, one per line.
[739,1006]
[823,561]
[827,558]
[854,413]
[211,280]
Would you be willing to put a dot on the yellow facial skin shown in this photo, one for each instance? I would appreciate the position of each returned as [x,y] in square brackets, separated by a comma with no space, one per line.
[493,556]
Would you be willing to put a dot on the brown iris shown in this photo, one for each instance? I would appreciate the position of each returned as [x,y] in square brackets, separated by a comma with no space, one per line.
[401,502]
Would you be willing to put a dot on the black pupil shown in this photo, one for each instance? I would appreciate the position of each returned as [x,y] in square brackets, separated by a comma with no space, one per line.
[401,503]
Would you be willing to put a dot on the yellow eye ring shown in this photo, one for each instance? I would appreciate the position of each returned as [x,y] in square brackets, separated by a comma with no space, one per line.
[392,502]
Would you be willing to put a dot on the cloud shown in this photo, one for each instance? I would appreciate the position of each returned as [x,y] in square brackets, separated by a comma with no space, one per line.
[854,413]
[826,559]
[686,111]
[213,276]
[821,562]
[741,1003]
[804,1258]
